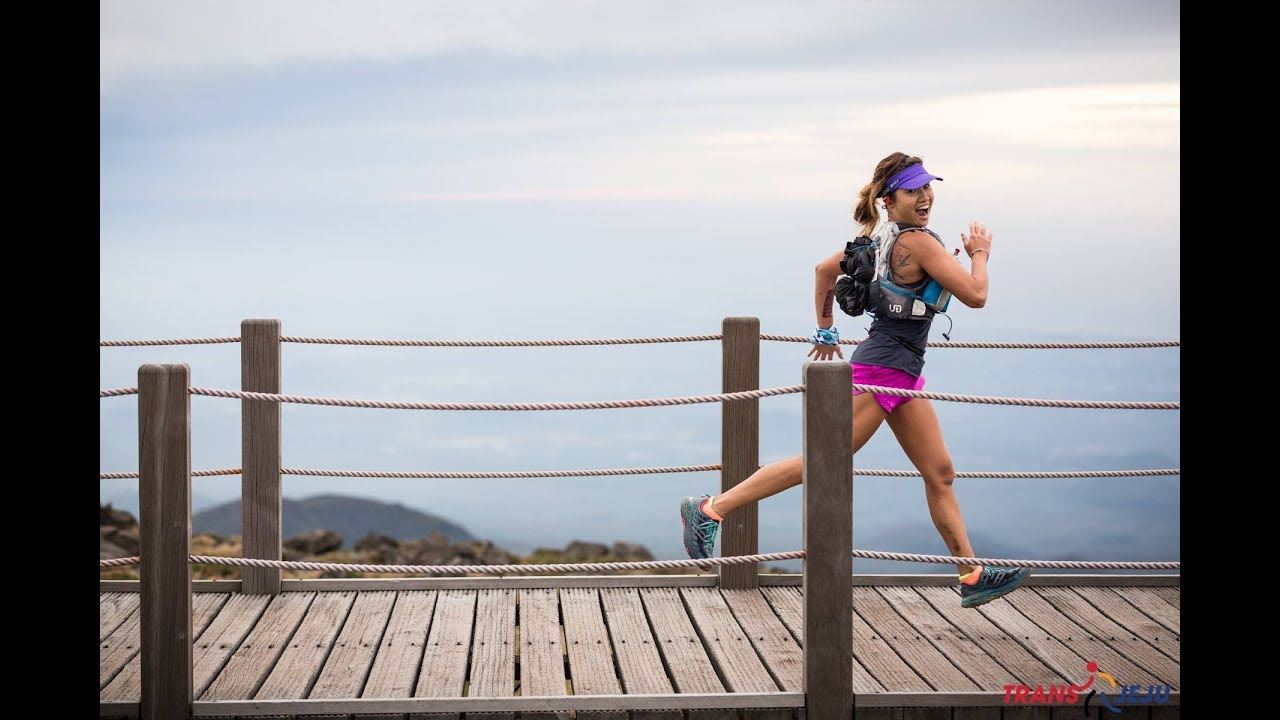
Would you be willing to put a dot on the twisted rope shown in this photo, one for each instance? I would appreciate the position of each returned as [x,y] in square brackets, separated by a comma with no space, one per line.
[979,345]
[1052,564]
[179,341]
[584,405]
[194,473]
[1027,402]
[688,400]
[995,345]
[646,564]
[500,343]
[450,475]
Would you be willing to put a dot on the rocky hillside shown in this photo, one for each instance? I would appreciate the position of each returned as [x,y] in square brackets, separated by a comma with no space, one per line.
[350,517]
[118,537]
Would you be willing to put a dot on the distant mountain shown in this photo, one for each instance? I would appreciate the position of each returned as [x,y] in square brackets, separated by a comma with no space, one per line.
[352,517]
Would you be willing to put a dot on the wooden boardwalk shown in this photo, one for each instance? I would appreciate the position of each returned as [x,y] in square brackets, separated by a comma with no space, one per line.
[917,653]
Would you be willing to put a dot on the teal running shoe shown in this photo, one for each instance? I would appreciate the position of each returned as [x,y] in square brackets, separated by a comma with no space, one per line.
[700,529]
[994,582]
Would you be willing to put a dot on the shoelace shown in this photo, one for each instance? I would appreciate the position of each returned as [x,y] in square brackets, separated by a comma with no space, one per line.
[708,530]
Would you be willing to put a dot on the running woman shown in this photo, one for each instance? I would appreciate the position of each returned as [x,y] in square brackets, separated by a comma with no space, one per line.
[891,356]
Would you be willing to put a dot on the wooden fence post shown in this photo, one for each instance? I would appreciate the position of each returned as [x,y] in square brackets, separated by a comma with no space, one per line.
[164,500]
[740,447]
[260,504]
[828,541]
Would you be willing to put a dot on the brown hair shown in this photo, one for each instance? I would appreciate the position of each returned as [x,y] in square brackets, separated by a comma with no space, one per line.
[865,210]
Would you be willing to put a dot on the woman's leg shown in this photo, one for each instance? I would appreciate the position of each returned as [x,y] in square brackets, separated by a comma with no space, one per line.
[782,474]
[916,426]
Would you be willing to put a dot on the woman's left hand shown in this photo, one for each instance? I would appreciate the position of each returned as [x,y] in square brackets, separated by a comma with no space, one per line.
[824,352]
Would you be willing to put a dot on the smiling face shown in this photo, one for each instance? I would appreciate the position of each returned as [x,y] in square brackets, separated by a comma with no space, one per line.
[911,206]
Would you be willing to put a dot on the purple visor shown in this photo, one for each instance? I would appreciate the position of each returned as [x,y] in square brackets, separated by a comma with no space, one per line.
[909,178]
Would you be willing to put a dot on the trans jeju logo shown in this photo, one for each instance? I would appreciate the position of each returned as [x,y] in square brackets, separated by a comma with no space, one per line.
[1112,696]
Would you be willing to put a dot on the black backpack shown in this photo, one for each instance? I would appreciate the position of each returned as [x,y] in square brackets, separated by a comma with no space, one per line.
[855,291]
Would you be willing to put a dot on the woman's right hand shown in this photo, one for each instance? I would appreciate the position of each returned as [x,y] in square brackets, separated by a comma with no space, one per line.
[977,239]
[824,352]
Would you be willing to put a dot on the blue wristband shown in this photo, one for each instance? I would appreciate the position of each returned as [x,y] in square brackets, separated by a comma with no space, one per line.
[825,336]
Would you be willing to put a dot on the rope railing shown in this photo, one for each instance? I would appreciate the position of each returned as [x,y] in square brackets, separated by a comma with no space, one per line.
[659,402]
[1005,345]
[973,345]
[510,474]
[176,341]
[650,564]
[1024,402]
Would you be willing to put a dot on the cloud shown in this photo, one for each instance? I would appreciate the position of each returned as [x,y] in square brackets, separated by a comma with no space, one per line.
[795,159]
[147,36]
[140,37]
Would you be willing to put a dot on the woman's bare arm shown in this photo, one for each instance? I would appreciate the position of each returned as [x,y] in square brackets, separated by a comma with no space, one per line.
[824,290]
[967,286]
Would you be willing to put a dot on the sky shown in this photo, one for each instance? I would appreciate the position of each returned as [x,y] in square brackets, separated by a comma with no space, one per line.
[566,169]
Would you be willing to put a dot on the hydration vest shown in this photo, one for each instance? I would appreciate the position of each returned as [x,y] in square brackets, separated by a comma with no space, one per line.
[867,284]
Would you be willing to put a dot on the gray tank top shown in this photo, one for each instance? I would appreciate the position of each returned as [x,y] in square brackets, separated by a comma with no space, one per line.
[896,343]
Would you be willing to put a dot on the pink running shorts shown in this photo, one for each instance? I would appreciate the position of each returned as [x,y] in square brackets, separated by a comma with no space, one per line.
[885,377]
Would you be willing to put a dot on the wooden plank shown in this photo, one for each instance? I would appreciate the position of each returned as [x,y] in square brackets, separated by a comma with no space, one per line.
[164,526]
[1050,650]
[958,699]
[770,579]
[1085,645]
[639,664]
[780,652]
[1112,634]
[113,609]
[121,646]
[400,652]
[260,503]
[1171,595]
[493,649]
[827,481]
[250,664]
[681,649]
[1132,619]
[127,685]
[590,650]
[542,650]
[118,709]
[345,671]
[444,662]
[787,604]
[480,705]
[306,651]
[1022,665]
[730,648]
[1154,606]
[229,628]
[922,656]
[972,660]
[739,446]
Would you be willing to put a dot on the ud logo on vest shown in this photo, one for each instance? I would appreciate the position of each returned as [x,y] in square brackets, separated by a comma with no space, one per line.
[1113,696]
